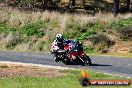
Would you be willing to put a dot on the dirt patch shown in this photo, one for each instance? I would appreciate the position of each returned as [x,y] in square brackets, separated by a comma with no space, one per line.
[13,70]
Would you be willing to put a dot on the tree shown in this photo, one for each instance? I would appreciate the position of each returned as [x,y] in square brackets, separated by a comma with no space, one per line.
[83,2]
[44,3]
[116,7]
[128,5]
[71,4]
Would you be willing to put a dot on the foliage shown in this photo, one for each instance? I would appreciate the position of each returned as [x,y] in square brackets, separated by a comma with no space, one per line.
[89,49]
[32,29]
[92,30]
[100,38]
[45,25]
[32,3]
[6,29]
[125,33]
[121,23]
[12,40]
[100,42]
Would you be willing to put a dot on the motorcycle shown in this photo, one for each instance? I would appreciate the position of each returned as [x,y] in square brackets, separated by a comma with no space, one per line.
[72,53]
[60,54]
[76,54]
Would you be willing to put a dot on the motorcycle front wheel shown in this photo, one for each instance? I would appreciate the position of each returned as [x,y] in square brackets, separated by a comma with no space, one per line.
[87,60]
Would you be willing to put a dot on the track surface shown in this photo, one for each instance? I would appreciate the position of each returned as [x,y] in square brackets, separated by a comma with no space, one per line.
[110,65]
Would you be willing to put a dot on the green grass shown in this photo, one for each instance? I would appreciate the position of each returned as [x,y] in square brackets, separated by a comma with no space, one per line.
[33,29]
[71,80]
[3,66]
[4,28]
[46,29]
[121,23]
[128,55]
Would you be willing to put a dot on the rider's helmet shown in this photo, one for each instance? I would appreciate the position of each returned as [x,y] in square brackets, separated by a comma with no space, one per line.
[59,38]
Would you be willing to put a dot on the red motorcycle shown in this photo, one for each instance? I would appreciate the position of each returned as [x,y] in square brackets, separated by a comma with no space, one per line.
[76,54]
[72,53]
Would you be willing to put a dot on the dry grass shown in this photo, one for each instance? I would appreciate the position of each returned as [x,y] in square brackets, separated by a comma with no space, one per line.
[15,17]
[55,23]
[12,39]
[23,47]
[122,47]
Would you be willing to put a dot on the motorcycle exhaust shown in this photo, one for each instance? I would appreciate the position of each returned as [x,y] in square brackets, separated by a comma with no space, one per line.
[81,59]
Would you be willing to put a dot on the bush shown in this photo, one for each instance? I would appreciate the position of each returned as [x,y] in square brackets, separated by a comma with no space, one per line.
[85,35]
[38,46]
[96,39]
[29,4]
[121,23]
[74,26]
[4,17]
[125,33]
[32,29]
[92,30]
[100,42]
[12,39]
[6,29]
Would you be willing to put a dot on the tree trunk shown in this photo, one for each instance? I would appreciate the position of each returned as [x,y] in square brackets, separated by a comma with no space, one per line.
[116,6]
[73,2]
[83,2]
[128,5]
[44,4]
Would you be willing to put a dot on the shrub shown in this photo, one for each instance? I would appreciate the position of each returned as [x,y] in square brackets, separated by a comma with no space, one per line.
[91,31]
[12,39]
[6,29]
[32,29]
[73,26]
[121,23]
[100,42]
[39,45]
[125,33]
[4,16]
[14,20]
[96,39]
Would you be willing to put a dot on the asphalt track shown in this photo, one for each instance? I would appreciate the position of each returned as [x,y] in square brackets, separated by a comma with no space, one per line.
[106,64]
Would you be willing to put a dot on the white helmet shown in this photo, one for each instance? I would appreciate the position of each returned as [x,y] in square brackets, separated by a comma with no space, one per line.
[59,38]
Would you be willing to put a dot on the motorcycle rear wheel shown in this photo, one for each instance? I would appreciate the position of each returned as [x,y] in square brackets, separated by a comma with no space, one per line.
[66,61]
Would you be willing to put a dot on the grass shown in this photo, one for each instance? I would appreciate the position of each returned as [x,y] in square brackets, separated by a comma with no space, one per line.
[4,28]
[121,23]
[71,80]
[32,29]
[128,55]
[37,30]
[4,67]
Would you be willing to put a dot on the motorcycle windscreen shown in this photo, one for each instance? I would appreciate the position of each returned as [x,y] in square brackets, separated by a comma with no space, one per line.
[77,48]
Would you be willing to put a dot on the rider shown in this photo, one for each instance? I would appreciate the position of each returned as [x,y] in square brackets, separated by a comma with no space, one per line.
[57,44]
[58,41]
